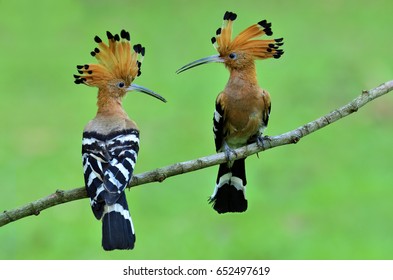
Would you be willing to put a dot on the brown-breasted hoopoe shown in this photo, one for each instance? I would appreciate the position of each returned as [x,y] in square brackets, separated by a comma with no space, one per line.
[110,141]
[242,108]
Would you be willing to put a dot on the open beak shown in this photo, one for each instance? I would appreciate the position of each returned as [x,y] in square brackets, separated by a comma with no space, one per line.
[213,58]
[145,90]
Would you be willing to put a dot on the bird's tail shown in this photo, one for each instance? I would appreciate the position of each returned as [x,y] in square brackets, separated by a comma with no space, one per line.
[229,193]
[117,228]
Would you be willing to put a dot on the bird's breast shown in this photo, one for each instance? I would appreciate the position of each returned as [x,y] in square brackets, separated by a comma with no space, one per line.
[243,118]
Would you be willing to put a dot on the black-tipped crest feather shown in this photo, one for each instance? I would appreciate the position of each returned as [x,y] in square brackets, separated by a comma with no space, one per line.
[116,60]
[247,41]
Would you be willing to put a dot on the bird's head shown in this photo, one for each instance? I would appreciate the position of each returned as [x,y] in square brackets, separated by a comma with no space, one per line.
[240,52]
[118,65]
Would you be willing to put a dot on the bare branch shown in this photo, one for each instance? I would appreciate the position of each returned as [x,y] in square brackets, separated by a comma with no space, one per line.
[160,174]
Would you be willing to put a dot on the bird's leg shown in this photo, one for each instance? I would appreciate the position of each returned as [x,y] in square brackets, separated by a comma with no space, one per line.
[228,151]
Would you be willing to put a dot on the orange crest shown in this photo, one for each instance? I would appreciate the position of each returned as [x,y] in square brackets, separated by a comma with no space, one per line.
[115,61]
[246,41]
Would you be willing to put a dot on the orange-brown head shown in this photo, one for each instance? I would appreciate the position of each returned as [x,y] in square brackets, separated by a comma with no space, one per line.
[118,65]
[240,52]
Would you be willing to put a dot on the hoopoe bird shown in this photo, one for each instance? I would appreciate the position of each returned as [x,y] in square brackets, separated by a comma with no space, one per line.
[110,142]
[242,109]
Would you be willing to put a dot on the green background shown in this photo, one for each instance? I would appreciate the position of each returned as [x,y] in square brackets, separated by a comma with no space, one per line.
[328,197]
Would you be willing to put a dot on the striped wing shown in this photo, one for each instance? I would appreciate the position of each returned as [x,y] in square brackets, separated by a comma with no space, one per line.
[218,126]
[108,163]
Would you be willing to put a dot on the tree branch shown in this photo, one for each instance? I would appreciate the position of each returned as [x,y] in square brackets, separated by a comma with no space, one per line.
[160,174]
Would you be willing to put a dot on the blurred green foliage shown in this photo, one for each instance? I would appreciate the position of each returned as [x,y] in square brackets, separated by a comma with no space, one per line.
[328,197]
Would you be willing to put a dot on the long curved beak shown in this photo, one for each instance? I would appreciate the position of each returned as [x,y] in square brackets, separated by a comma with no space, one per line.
[145,90]
[213,58]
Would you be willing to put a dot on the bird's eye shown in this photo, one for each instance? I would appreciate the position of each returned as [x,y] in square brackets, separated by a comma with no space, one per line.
[120,85]
[232,56]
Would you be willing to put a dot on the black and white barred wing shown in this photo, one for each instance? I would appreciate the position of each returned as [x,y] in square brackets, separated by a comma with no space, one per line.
[95,161]
[218,125]
[108,162]
[123,150]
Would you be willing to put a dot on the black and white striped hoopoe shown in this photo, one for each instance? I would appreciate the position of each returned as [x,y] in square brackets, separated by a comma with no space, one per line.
[110,141]
[242,108]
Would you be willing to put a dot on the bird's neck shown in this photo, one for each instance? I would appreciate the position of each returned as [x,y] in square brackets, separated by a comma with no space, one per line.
[243,77]
[110,105]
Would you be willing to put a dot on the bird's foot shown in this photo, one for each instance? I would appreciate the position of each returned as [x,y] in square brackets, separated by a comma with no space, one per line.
[229,151]
[261,139]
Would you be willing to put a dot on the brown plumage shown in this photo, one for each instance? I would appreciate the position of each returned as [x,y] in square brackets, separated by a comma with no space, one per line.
[110,142]
[242,108]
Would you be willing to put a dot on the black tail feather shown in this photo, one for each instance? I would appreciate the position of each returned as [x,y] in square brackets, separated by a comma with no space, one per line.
[239,170]
[229,193]
[229,199]
[117,227]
